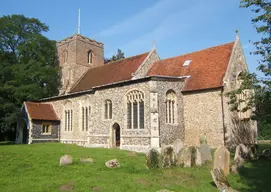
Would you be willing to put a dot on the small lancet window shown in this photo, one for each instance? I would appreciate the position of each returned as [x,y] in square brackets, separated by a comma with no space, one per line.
[89,57]
[65,57]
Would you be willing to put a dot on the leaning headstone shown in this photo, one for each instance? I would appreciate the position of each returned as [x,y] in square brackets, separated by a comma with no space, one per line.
[152,159]
[205,152]
[193,150]
[65,160]
[177,146]
[198,160]
[86,160]
[184,157]
[221,181]
[113,163]
[222,160]
[168,157]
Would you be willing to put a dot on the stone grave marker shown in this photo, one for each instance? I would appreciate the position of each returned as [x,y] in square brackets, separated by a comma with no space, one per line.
[168,157]
[113,163]
[177,146]
[184,158]
[222,160]
[205,152]
[65,160]
[152,159]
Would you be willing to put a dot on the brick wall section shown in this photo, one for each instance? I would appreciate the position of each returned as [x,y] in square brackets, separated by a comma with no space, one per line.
[76,66]
[203,116]
[37,135]
[170,132]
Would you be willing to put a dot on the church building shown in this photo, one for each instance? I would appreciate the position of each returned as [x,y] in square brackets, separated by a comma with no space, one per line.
[141,101]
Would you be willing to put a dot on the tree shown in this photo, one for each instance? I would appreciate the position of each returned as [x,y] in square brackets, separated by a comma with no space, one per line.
[260,101]
[28,66]
[118,56]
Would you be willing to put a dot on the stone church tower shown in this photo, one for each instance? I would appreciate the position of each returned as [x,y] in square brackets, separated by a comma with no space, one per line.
[76,55]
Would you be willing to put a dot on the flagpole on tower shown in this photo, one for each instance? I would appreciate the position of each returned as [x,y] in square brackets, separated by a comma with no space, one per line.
[78,32]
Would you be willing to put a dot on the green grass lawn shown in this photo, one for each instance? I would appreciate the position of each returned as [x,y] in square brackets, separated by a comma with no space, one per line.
[36,168]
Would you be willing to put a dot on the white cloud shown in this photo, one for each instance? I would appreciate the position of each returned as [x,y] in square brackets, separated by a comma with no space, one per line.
[174,24]
[150,15]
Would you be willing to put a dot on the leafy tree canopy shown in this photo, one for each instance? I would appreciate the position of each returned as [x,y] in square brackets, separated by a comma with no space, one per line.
[118,56]
[28,66]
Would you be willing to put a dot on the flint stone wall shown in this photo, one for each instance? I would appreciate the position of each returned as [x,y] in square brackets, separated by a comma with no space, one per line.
[100,129]
[37,135]
[203,116]
[170,132]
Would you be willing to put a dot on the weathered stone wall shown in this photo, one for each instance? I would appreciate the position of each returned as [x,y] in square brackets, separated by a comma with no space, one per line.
[146,65]
[170,132]
[37,135]
[236,131]
[99,133]
[203,117]
[77,48]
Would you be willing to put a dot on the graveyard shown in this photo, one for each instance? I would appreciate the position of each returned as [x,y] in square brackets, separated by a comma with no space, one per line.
[36,168]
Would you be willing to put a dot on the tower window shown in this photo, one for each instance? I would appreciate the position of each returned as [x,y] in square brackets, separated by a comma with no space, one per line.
[65,57]
[89,57]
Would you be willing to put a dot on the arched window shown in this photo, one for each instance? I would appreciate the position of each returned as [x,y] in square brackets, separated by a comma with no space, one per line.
[86,112]
[89,57]
[135,110]
[68,116]
[108,109]
[65,56]
[171,107]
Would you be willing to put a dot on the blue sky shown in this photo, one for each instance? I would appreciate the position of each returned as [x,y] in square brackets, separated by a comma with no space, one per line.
[177,26]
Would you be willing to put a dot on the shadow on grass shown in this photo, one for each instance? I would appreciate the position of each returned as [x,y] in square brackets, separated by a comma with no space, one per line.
[6,142]
[257,175]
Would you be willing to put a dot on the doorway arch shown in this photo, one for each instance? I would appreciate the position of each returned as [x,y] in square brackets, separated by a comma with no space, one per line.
[115,135]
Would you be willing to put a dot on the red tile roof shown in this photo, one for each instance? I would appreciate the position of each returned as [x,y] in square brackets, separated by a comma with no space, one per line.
[207,67]
[110,73]
[41,111]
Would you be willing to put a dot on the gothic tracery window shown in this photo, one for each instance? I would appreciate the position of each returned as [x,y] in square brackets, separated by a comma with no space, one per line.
[135,110]
[108,109]
[68,117]
[171,107]
[85,113]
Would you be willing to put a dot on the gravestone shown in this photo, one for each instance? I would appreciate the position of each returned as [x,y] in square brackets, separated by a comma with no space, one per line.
[221,181]
[184,157]
[152,159]
[168,157]
[177,146]
[222,160]
[113,163]
[198,160]
[65,160]
[205,152]
[86,160]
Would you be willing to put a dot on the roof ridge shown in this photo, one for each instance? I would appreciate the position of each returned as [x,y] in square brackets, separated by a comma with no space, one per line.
[112,62]
[199,50]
